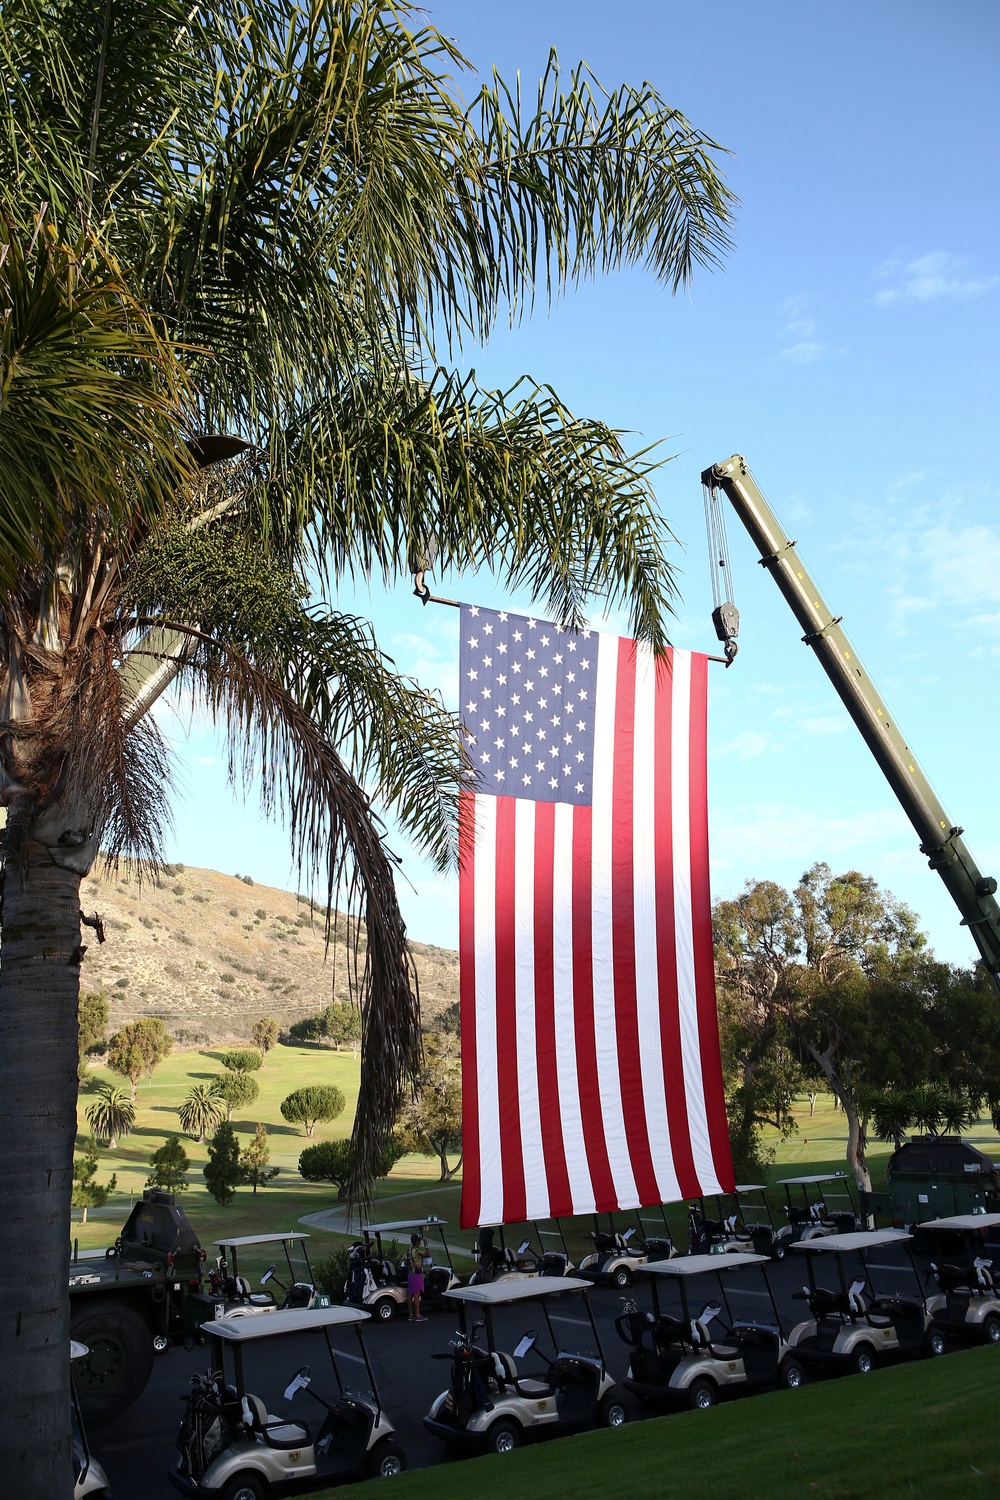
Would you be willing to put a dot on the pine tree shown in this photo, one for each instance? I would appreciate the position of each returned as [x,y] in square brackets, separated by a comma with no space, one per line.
[254,1169]
[169,1164]
[223,1172]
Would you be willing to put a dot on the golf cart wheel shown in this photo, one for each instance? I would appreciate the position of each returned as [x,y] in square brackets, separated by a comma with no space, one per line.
[503,1437]
[934,1343]
[622,1277]
[702,1394]
[863,1360]
[386,1460]
[790,1375]
[612,1411]
[991,1328]
[115,1372]
[384,1309]
[246,1486]
[778,1250]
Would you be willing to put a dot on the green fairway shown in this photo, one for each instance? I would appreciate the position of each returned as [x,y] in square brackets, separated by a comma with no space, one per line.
[817,1145]
[926,1429]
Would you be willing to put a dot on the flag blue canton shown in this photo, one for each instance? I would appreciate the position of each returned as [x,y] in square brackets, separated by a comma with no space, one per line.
[528,689]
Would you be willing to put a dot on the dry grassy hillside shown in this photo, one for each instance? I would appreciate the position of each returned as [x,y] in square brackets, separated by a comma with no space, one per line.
[210,953]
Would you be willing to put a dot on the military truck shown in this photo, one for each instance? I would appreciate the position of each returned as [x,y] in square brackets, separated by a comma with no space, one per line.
[147,1292]
[935,1176]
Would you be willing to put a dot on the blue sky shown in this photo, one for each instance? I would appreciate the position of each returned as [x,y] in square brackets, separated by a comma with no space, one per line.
[847,348]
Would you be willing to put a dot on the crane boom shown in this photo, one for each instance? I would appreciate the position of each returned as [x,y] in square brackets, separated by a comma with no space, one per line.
[940,840]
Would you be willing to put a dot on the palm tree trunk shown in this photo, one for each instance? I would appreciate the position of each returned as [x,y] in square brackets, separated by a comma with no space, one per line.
[39,996]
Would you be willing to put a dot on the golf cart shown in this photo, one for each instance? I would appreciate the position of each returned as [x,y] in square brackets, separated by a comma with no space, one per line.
[233,1448]
[555,1262]
[853,1327]
[377,1282]
[488,1407]
[617,1256]
[968,1304]
[747,1228]
[823,1209]
[500,1262]
[693,1360]
[238,1301]
[89,1480]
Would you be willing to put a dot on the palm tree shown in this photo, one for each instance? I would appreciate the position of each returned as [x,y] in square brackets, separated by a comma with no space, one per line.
[201,1111]
[112,1114]
[265,228]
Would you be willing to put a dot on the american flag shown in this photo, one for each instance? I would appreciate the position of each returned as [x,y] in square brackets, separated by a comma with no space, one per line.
[591,1072]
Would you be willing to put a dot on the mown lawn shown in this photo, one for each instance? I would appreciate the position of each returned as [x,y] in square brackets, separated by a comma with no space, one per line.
[817,1145]
[921,1430]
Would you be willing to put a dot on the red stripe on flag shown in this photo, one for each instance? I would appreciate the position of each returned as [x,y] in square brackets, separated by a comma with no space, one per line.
[701,916]
[666,944]
[468,1216]
[591,1112]
[623,929]
[511,1160]
[550,1119]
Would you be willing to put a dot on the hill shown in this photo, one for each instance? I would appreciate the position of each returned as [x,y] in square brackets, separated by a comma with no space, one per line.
[209,953]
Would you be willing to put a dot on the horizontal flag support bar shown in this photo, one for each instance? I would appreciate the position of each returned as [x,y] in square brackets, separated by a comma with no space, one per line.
[423,593]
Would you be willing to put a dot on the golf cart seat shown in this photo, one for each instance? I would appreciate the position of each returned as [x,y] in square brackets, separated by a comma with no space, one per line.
[300,1294]
[276,1432]
[658,1249]
[798,1215]
[827,1304]
[603,1243]
[506,1372]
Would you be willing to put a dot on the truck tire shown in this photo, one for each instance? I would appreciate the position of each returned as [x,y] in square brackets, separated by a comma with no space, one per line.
[116,1370]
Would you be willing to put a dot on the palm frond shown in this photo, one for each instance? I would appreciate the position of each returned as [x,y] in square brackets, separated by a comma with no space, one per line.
[91,399]
[398,471]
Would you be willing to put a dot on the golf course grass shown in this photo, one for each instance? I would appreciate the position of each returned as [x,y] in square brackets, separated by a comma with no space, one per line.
[925,1429]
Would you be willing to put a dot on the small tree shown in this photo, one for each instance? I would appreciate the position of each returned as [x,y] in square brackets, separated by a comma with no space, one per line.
[254,1162]
[138,1048]
[331,1161]
[264,1034]
[112,1115]
[92,1024]
[201,1111]
[223,1172]
[236,1090]
[309,1105]
[431,1121]
[86,1192]
[242,1060]
[169,1164]
[337,1026]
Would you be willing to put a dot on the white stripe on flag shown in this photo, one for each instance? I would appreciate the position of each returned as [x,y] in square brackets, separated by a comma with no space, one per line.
[687,996]
[577,1168]
[532,1156]
[602,924]
[491,1175]
[646,967]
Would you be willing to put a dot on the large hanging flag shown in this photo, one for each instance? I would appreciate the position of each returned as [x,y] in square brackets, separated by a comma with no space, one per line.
[591,1073]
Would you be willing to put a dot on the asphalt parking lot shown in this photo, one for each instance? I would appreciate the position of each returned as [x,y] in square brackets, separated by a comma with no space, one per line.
[137,1448]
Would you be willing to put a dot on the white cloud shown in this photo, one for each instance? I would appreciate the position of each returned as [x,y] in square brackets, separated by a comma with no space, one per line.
[745,746]
[930,278]
[755,839]
[804,353]
[825,724]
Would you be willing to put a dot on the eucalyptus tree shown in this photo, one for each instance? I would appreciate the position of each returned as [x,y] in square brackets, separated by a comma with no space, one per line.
[240,244]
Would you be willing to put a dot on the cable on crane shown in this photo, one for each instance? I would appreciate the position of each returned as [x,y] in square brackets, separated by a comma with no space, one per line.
[725,615]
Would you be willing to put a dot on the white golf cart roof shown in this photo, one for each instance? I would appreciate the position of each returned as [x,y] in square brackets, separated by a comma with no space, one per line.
[239,1242]
[809,1181]
[750,1187]
[497,1293]
[429,1223]
[699,1265]
[295,1320]
[963,1221]
[861,1239]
